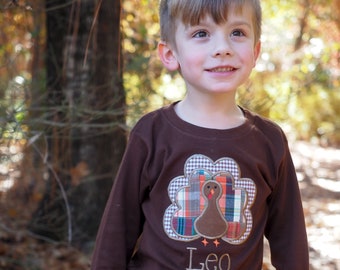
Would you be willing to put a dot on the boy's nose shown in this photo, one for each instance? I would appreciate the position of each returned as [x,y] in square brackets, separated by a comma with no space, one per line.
[222,48]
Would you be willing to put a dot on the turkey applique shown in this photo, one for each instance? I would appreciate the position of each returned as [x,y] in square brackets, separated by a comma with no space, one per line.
[211,201]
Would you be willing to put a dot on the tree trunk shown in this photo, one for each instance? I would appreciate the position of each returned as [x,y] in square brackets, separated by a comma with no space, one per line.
[86,108]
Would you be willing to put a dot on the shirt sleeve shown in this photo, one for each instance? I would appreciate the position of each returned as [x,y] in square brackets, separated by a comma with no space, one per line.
[122,220]
[285,230]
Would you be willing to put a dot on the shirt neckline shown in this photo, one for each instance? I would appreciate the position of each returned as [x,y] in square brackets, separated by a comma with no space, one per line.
[207,133]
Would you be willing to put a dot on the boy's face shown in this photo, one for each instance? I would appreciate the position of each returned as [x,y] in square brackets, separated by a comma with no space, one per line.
[214,57]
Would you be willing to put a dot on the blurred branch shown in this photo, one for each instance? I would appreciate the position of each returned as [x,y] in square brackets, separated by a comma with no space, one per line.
[303,24]
[26,232]
[61,187]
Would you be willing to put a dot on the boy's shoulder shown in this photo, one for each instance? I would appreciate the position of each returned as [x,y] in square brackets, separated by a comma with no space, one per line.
[152,120]
[260,120]
[265,126]
[152,116]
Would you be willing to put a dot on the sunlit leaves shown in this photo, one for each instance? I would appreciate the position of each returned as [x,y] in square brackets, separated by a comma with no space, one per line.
[142,69]
[303,81]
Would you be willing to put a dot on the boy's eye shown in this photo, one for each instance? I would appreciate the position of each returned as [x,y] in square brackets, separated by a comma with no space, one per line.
[200,34]
[238,33]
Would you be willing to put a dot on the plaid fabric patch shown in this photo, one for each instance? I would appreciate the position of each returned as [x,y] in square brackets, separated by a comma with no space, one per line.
[192,204]
[188,202]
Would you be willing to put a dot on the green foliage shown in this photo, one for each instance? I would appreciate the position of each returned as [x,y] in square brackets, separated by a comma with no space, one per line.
[143,72]
[297,76]
[13,110]
[15,45]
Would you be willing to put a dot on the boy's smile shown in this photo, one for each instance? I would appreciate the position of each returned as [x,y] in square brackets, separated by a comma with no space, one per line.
[221,69]
[214,58]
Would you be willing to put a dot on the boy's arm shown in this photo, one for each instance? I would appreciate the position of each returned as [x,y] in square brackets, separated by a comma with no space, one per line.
[285,230]
[122,219]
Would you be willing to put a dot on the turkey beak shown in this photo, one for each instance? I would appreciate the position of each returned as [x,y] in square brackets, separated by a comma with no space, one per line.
[211,193]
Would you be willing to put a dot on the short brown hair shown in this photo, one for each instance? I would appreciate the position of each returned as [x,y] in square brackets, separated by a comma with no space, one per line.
[190,12]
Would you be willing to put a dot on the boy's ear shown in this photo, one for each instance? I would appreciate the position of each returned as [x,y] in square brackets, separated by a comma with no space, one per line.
[257,51]
[167,56]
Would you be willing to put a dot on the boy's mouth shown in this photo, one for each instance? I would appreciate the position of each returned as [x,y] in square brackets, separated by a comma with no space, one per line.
[222,69]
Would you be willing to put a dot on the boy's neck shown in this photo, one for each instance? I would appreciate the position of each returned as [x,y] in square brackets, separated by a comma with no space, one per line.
[216,113]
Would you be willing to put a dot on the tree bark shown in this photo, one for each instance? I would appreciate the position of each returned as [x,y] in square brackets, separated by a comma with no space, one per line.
[86,116]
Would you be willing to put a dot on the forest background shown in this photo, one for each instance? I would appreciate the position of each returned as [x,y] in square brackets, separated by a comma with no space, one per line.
[75,75]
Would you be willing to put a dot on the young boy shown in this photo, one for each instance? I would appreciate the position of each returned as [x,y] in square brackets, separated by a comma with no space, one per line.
[203,180]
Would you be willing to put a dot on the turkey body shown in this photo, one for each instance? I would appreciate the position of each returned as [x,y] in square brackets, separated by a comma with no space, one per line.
[211,223]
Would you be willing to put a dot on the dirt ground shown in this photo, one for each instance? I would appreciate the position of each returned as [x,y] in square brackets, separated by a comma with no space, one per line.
[318,171]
